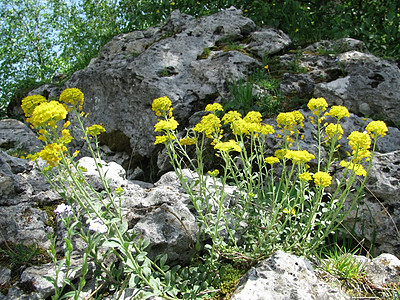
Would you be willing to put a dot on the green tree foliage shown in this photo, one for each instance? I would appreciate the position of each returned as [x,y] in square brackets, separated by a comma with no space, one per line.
[42,37]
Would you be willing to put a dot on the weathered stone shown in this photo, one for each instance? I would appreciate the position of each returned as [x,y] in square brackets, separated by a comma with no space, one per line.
[383,270]
[268,41]
[5,275]
[368,79]
[284,276]
[297,85]
[15,136]
[337,46]
[25,224]
[376,218]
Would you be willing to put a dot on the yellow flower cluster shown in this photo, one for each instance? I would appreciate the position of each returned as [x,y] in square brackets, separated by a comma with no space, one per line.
[161,139]
[317,105]
[299,156]
[65,137]
[48,114]
[51,153]
[305,176]
[162,107]
[290,121]
[280,153]
[166,125]
[322,179]
[231,145]
[231,116]
[333,131]
[213,173]
[250,124]
[209,125]
[72,96]
[338,112]
[253,117]
[359,141]
[377,128]
[187,141]
[29,103]
[95,130]
[356,168]
[214,107]
[272,160]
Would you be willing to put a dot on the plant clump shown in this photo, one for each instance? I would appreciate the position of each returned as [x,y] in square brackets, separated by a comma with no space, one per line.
[253,204]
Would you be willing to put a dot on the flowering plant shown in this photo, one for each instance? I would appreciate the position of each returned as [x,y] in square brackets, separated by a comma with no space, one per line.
[286,207]
[95,218]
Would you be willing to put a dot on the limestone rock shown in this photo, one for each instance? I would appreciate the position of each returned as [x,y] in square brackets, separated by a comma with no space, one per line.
[337,46]
[284,276]
[377,214]
[268,41]
[368,79]
[5,275]
[135,68]
[383,270]
[16,136]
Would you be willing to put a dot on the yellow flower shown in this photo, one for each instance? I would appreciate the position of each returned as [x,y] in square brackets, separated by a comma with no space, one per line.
[162,106]
[317,105]
[52,154]
[265,129]
[299,156]
[208,125]
[338,112]
[119,190]
[286,119]
[231,116]
[187,141]
[359,140]
[214,107]
[240,127]
[253,117]
[360,154]
[231,145]
[95,130]
[29,103]
[333,130]
[376,128]
[266,67]
[213,173]
[305,176]
[48,114]
[169,124]
[322,179]
[271,160]
[280,153]
[66,137]
[358,169]
[161,139]
[72,96]
[290,121]
[291,211]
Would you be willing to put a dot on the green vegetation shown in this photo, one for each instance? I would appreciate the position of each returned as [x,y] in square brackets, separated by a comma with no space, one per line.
[40,38]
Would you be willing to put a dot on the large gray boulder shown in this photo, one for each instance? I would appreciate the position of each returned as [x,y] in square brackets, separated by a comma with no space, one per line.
[135,68]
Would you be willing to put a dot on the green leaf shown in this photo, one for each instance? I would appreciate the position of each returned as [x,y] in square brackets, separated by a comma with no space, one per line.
[123,228]
[134,281]
[163,259]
